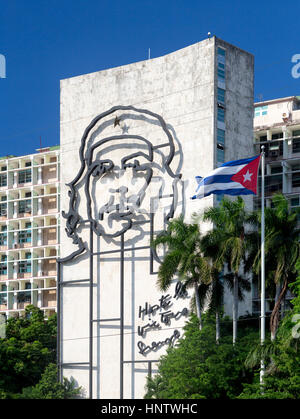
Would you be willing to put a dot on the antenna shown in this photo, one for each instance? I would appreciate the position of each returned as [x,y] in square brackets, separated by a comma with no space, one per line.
[148,53]
[260,97]
[40,143]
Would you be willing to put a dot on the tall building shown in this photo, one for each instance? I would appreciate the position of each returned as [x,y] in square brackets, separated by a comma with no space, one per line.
[29,231]
[137,136]
[277,128]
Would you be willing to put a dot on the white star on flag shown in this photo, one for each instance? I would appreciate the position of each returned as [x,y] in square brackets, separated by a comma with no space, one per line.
[247,176]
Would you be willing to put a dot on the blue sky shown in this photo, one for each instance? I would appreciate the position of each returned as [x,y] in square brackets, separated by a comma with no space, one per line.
[48,40]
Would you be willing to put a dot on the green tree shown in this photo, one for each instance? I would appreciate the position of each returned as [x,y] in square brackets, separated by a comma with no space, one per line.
[228,243]
[183,258]
[282,356]
[29,346]
[282,250]
[197,368]
[49,388]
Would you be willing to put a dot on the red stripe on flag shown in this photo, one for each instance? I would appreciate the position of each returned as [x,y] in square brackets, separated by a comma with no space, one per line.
[247,176]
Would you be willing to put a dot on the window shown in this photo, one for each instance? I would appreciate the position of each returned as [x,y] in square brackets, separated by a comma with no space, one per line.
[25,265]
[3,238]
[3,268]
[221,72]
[273,184]
[28,164]
[221,52]
[3,180]
[295,180]
[3,168]
[274,149]
[261,110]
[24,297]
[3,210]
[3,265]
[221,114]
[276,169]
[277,136]
[220,136]
[220,155]
[24,206]
[295,202]
[296,133]
[221,96]
[221,64]
[25,236]
[3,299]
[296,145]
[25,176]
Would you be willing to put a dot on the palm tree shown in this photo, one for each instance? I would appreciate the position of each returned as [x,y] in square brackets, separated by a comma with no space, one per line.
[228,241]
[183,258]
[282,250]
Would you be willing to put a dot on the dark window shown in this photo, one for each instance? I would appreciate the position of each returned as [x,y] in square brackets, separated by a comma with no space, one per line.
[220,155]
[3,180]
[25,176]
[296,145]
[3,210]
[221,114]
[277,136]
[276,169]
[24,297]
[3,239]
[295,202]
[24,206]
[221,52]
[272,184]
[221,136]
[221,95]
[25,236]
[24,266]
[3,268]
[295,180]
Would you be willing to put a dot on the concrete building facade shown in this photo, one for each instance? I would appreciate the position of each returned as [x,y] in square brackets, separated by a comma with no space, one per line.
[277,127]
[29,231]
[137,136]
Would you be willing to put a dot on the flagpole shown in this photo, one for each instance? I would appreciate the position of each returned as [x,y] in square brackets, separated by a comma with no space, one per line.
[263,285]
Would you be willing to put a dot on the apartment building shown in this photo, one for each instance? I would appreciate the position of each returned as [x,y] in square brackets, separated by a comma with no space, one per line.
[277,127]
[29,233]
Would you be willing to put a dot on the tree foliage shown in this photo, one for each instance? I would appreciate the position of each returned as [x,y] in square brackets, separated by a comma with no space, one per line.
[198,368]
[28,356]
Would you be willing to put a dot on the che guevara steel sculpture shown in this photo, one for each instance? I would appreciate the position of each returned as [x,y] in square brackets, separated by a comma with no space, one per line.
[95,163]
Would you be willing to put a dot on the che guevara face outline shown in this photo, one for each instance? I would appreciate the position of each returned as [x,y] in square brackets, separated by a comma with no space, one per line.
[89,168]
[100,167]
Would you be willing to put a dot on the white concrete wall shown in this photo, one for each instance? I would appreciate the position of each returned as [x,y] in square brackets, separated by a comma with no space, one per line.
[181,87]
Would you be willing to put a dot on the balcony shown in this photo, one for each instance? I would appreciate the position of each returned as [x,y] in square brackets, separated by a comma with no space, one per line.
[49,298]
[49,174]
[49,205]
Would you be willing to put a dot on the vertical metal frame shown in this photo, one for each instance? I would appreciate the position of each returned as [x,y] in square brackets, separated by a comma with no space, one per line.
[74,221]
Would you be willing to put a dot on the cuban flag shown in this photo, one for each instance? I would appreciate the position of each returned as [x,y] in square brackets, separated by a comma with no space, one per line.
[237,177]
